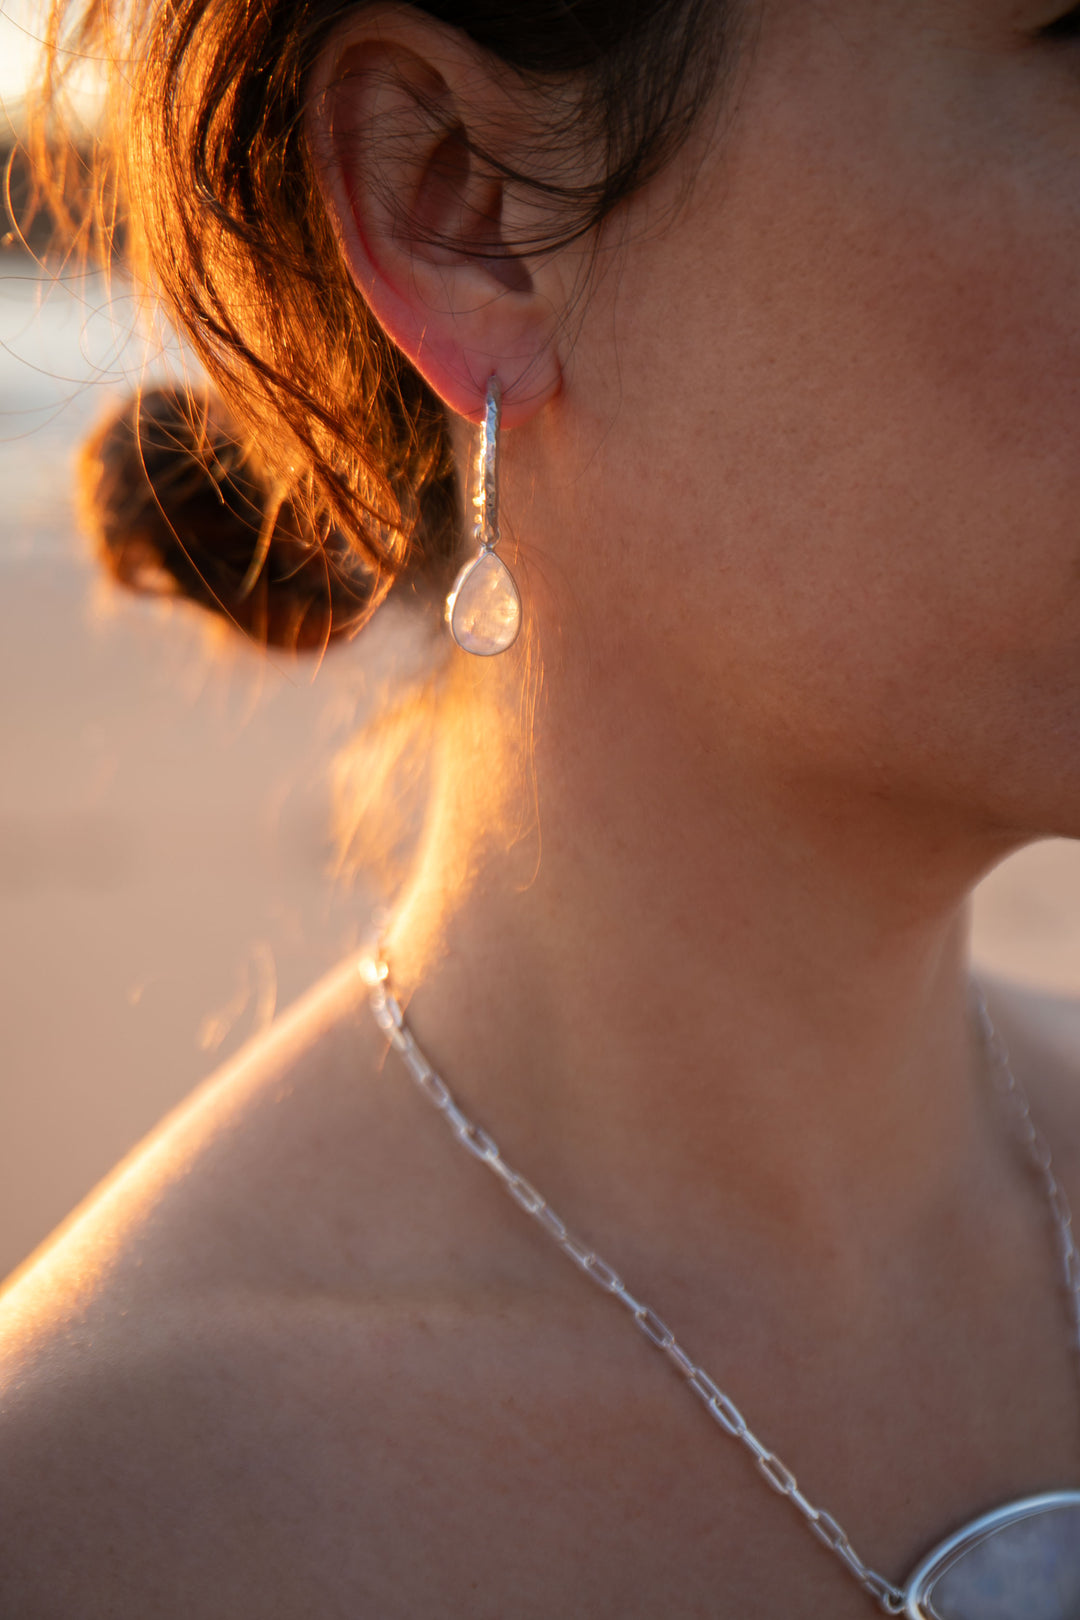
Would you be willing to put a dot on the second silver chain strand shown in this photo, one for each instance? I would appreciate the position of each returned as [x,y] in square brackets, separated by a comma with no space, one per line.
[720,1407]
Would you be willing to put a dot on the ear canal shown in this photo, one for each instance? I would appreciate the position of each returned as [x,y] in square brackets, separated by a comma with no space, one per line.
[458,212]
[447,203]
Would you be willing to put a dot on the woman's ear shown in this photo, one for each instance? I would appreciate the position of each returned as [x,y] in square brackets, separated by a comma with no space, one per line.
[400,105]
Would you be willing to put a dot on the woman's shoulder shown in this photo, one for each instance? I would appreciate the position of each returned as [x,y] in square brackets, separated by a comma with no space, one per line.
[307,1169]
[179,1210]
[170,1362]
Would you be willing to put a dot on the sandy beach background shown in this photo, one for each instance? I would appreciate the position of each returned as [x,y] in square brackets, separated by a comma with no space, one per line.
[165,843]
[165,847]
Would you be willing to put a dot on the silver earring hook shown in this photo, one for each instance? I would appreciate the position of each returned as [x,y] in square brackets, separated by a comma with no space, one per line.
[486,499]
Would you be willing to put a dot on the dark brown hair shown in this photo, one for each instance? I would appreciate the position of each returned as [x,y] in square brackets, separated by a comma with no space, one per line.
[201,178]
[177,505]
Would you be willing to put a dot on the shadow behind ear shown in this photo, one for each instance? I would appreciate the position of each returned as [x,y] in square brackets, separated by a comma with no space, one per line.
[176,507]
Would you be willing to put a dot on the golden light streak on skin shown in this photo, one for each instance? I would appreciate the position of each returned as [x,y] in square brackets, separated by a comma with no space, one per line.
[803,507]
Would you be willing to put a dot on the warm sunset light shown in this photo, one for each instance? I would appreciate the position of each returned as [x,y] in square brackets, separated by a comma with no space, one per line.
[539,838]
[22,27]
[20,48]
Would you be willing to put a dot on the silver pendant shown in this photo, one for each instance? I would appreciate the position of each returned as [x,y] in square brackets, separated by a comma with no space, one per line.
[1021,1562]
[483,609]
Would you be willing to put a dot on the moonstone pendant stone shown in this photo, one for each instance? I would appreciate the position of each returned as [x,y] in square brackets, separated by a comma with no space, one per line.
[1020,1563]
[484,608]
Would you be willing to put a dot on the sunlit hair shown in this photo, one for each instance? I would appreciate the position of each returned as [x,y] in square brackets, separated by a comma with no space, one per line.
[328,457]
[200,177]
[176,504]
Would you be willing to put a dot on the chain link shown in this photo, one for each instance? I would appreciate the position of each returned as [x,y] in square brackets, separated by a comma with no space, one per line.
[720,1407]
[1018,1105]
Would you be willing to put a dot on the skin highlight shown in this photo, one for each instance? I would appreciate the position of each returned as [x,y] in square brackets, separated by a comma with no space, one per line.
[795,497]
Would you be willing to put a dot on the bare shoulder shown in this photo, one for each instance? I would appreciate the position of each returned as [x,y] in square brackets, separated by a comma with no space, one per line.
[186,1213]
[193,1375]
[299,1357]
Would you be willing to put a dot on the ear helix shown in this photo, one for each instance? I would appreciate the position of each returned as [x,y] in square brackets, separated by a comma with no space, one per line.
[483,609]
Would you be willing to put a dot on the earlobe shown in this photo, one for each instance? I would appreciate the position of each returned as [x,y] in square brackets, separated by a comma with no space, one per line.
[421,219]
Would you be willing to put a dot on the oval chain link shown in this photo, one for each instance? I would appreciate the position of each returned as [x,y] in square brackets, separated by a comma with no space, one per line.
[720,1407]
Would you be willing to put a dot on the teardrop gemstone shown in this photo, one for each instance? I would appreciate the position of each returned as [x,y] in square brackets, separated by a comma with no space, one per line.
[1020,1563]
[484,608]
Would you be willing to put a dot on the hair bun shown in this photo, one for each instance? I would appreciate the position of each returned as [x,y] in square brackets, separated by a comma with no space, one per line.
[177,506]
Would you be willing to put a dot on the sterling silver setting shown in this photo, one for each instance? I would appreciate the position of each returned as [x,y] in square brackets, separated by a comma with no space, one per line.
[483,609]
[973,1575]
[980,1573]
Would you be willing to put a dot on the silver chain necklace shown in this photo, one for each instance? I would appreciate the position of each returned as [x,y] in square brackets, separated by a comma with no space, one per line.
[1036,1540]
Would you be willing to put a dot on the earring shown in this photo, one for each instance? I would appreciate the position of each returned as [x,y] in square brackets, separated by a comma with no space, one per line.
[483,609]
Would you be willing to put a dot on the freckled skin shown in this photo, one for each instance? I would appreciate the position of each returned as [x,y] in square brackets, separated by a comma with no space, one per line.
[798,530]
[871,397]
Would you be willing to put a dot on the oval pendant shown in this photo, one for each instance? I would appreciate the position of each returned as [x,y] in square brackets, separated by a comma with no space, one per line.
[1021,1562]
[484,608]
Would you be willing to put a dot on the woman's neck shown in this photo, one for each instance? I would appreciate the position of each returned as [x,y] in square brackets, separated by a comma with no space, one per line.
[716,998]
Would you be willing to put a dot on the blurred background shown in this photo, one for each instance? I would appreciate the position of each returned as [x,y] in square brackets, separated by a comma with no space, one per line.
[166,857]
[165,842]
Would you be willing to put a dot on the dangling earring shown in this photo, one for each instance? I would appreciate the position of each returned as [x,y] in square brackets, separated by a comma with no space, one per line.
[483,609]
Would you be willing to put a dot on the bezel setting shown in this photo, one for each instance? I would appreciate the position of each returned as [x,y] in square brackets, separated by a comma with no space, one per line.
[919,1592]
